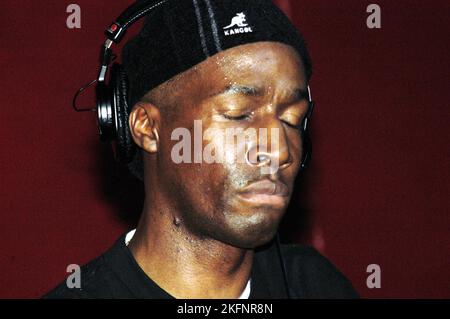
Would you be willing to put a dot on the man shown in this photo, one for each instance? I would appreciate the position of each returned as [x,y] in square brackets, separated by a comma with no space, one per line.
[211,215]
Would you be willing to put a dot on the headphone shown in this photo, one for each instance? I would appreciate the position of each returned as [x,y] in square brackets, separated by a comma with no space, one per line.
[112,97]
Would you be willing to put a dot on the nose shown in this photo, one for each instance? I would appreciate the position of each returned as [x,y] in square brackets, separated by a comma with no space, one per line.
[272,150]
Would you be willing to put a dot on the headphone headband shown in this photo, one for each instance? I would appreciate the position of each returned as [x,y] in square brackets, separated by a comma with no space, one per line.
[118,28]
[133,13]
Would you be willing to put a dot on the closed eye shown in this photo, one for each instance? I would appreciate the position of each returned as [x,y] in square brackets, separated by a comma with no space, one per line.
[294,116]
[293,121]
[242,117]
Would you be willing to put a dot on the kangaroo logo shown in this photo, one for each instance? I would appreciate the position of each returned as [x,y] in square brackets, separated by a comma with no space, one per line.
[239,21]
[238,25]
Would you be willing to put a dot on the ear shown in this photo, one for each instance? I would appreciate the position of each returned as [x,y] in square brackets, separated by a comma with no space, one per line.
[144,122]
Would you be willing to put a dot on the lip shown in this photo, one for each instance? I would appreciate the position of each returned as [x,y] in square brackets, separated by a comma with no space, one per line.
[266,193]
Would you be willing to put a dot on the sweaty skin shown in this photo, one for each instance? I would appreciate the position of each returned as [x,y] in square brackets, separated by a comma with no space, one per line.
[199,227]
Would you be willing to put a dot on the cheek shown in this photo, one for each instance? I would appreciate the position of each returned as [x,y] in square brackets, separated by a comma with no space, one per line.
[210,180]
[295,145]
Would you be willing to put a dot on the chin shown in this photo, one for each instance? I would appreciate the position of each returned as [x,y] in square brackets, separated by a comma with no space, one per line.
[250,232]
[251,242]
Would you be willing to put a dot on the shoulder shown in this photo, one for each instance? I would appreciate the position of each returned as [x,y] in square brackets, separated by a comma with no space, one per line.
[313,276]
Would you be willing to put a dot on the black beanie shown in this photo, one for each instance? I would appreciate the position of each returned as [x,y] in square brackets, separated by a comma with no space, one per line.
[179,34]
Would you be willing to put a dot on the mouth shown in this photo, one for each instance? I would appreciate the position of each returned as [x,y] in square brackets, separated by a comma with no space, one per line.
[266,193]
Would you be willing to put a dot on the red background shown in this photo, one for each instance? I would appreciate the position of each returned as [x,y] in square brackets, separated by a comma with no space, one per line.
[377,190]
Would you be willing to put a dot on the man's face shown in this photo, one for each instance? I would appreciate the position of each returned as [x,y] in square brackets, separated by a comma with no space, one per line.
[255,86]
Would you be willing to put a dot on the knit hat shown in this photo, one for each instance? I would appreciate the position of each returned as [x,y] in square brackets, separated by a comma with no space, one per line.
[179,34]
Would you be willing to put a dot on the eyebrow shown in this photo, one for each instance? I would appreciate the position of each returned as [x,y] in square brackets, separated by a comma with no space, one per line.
[240,89]
[297,94]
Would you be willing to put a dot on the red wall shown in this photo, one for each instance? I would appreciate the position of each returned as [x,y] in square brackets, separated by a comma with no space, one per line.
[376,192]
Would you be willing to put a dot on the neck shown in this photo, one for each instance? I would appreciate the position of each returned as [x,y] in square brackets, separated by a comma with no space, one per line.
[183,264]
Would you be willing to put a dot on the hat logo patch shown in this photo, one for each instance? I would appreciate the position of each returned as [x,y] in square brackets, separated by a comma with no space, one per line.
[238,25]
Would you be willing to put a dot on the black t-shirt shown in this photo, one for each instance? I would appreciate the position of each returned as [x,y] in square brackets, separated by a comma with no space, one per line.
[116,274]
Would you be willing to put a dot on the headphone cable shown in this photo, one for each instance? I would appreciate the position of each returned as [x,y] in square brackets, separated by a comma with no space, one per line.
[283,265]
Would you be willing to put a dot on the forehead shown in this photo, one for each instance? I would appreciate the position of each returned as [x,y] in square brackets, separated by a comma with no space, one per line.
[267,66]
[259,64]
[262,64]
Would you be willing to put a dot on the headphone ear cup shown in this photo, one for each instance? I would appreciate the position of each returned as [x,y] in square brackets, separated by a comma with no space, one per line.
[125,147]
[105,113]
